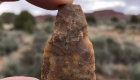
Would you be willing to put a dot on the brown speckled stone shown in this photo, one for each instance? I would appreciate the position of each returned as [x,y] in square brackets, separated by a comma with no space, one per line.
[69,54]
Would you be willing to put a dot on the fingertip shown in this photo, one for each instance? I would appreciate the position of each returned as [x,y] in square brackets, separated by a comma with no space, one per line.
[49,4]
[61,2]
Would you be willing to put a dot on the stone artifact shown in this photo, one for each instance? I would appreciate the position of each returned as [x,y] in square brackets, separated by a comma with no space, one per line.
[69,54]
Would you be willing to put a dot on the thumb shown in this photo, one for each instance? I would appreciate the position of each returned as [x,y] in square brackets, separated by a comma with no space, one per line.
[19,78]
[8,0]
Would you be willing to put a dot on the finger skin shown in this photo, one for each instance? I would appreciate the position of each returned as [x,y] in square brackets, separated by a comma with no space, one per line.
[19,78]
[8,0]
[49,4]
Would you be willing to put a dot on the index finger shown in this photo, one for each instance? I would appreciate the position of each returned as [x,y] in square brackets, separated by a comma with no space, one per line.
[49,4]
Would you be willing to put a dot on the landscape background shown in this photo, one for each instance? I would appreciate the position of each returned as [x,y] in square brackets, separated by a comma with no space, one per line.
[115,36]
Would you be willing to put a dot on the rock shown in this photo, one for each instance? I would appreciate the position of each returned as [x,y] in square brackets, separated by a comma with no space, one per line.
[69,54]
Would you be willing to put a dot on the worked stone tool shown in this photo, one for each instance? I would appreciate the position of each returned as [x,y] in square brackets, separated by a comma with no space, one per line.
[69,54]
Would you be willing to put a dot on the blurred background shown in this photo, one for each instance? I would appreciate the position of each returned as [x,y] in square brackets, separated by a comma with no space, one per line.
[114,30]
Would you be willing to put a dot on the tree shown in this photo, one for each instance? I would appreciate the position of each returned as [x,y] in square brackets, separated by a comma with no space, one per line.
[91,19]
[114,19]
[134,19]
[8,17]
[25,21]
[29,26]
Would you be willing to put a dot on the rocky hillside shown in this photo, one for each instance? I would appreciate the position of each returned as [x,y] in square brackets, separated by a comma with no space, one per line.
[97,14]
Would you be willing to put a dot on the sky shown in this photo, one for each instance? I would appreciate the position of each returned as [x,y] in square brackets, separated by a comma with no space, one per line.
[88,6]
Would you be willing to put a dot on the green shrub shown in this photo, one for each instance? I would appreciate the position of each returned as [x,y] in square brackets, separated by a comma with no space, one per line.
[1,24]
[8,17]
[31,63]
[28,57]
[8,44]
[98,67]
[114,19]
[49,28]
[131,53]
[123,75]
[134,19]
[120,27]
[49,19]
[40,41]
[133,27]
[104,47]
[100,50]
[11,68]
[25,21]
[114,48]
[22,68]
[36,67]
[134,72]
[91,19]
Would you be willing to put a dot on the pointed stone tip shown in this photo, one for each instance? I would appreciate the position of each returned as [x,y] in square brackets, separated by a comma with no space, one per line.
[71,11]
[70,24]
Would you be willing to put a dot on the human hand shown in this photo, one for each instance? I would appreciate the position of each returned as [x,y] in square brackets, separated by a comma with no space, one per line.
[19,78]
[47,4]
